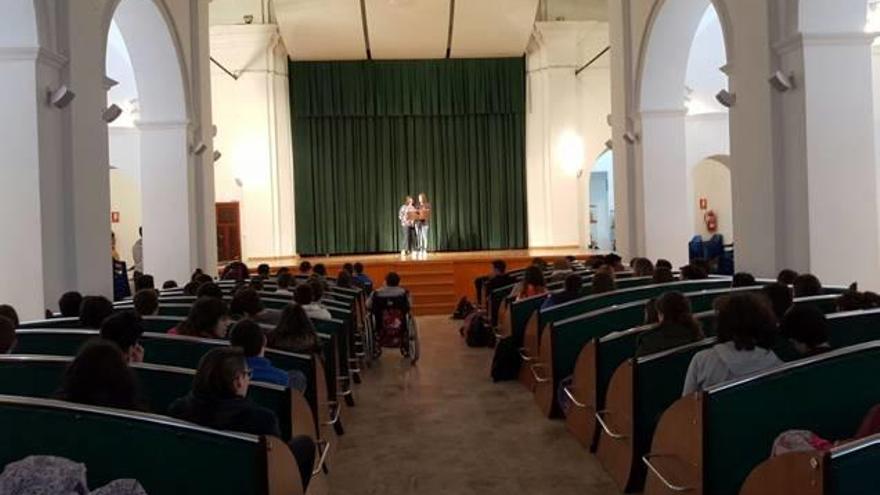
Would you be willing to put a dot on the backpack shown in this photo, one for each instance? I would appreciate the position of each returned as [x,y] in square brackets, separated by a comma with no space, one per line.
[506,362]
[476,330]
[463,309]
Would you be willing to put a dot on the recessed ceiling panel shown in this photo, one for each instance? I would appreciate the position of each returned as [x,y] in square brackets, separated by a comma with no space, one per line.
[492,28]
[408,29]
[321,29]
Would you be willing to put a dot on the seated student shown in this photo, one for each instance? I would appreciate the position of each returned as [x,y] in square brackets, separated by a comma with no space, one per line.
[99,376]
[125,329]
[304,295]
[487,284]
[281,271]
[7,335]
[806,285]
[615,262]
[8,311]
[779,297]
[319,275]
[663,275]
[642,267]
[93,311]
[295,332]
[144,282]
[169,284]
[305,268]
[235,271]
[571,292]
[360,278]
[248,335]
[263,271]
[391,288]
[146,302]
[786,277]
[203,279]
[561,270]
[807,329]
[532,284]
[348,267]
[191,288]
[851,300]
[693,272]
[344,280]
[603,281]
[256,283]
[49,474]
[209,289]
[219,400]
[742,279]
[871,299]
[746,331]
[663,263]
[677,326]
[208,318]
[284,281]
[69,303]
[246,303]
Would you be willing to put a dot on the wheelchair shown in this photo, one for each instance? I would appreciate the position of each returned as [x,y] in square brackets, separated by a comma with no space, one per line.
[393,326]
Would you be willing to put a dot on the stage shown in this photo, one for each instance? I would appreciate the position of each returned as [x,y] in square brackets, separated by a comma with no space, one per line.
[440,280]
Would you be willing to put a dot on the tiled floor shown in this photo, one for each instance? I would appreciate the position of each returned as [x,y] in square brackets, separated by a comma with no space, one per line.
[443,427]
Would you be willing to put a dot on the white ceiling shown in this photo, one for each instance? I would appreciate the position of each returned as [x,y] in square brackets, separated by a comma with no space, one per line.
[404,29]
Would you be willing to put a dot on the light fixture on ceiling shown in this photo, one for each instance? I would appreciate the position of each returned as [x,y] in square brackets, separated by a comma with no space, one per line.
[111,113]
[609,145]
[630,137]
[238,182]
[217,155]
[726,98]
[60,97]
[248,19]
[781,81]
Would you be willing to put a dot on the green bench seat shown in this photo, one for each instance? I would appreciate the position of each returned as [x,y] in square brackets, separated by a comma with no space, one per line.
[165,455]
[40,376]
[709,442]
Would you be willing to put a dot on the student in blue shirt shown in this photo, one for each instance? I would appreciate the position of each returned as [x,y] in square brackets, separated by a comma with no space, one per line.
[360,278]
[248,335]
[572,291]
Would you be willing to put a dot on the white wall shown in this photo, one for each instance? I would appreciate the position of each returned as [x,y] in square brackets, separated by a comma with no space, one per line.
[711,180]
[252,115]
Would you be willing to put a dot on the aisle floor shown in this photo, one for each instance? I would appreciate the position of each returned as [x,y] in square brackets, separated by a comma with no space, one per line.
[443,427]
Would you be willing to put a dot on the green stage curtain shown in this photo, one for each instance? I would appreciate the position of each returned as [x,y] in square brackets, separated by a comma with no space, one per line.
[366,134]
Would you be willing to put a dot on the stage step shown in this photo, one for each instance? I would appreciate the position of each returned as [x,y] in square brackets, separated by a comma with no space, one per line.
[433,309]
[432,286]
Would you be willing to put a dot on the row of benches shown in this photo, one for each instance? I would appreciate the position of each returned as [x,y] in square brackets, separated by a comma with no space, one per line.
[618,400]
[164,454]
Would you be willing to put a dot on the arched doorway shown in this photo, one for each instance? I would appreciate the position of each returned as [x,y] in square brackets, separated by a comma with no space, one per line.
[150,144]
[601,196]
[680,121]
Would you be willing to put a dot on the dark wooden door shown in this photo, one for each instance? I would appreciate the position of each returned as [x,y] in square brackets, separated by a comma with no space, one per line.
[228,232]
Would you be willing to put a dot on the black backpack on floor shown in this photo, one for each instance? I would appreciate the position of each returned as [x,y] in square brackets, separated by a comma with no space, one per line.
[476,330]
[506,362]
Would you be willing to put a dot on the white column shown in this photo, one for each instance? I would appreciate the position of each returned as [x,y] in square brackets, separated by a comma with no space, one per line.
[555,146]
[252,114]
[168,202]
[662,155]
[21,253]
[831,208]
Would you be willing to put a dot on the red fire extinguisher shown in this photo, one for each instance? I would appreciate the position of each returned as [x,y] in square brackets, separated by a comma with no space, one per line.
[711,221]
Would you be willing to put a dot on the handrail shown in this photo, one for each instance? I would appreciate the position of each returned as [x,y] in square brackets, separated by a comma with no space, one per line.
[676,488]
[606,428]
[573,400]
[535,375]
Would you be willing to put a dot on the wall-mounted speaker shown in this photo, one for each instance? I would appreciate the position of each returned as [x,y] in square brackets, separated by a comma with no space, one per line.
[61,97]
[782,82]
[726,98]
[111,113]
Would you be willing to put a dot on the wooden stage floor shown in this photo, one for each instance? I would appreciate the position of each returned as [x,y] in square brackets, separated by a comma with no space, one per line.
[440,280]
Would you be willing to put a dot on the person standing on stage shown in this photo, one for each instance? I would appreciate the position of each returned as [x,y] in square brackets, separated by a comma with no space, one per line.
[406,216]
[424,208]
